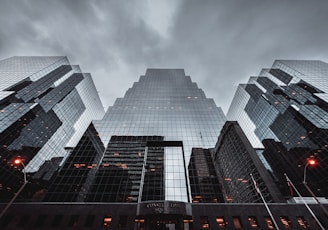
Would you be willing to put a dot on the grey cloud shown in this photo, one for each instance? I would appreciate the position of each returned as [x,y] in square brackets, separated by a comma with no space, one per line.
[225,41]
[219,43]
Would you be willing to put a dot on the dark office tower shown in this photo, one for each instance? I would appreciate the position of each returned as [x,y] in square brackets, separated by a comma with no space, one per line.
[236,159]
[46,104]
[204,183]
[132,171]
[166,103]
[76,175]
[283,112]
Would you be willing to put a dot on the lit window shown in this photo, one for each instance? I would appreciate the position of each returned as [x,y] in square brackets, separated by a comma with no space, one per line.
[139,220]
[221,222]
[285,221]
[252,222]
[187,220]
[302,222]
[269,222]
[204,222]
[107,221]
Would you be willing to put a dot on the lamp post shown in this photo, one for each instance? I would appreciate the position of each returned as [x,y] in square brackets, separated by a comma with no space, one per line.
[17,161]
[312,162]
[306,205]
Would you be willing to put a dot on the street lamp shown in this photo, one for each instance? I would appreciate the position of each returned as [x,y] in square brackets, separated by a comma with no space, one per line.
[17,161]
[312,162]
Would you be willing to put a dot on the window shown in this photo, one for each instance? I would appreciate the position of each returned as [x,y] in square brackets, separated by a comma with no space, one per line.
[107,220]
[122,221]
[6,220]
[302,222]
[40,221]
[236,222]
[252,221]
[269,222]
[204,222]
[23,220]
[89,221]
[73,221]
[221,222]
[285,222]
[56,220]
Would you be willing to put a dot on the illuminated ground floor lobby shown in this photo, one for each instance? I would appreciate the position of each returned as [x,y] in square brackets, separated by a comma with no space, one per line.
[167,215]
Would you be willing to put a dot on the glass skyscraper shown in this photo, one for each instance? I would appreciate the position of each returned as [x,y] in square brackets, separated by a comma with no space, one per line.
[165,102]
[236,160]
[46,104]
[284,113]
[128,169]
[149,135]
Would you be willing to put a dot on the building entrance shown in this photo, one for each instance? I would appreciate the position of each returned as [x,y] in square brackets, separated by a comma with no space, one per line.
[164,222]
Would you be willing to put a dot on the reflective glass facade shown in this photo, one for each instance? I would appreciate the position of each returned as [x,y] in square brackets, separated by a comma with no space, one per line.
[285,108]
[236,160]
[148,136]
[204,183]
[46,104]
[165,102]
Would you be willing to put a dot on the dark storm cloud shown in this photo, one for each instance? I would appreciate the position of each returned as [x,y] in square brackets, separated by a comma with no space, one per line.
[218,43]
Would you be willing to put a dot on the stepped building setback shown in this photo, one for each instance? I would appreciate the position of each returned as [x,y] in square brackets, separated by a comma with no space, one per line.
[284,113]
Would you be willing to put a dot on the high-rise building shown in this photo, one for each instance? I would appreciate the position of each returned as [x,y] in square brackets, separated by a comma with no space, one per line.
[148,136]
[237,162]
[165,102]
[128,170]
[284,113]
[46,104]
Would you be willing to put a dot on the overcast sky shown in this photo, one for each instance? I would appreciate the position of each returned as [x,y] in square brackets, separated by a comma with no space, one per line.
[219,43]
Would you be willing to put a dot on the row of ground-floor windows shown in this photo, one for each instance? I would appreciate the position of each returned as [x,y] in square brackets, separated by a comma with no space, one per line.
[123,222]
[253,222]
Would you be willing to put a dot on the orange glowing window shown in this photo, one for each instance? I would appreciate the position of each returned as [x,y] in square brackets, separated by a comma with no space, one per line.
[285,222]
[221,222]
[107,220]
[269,222]
[302,222]
[252,222]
